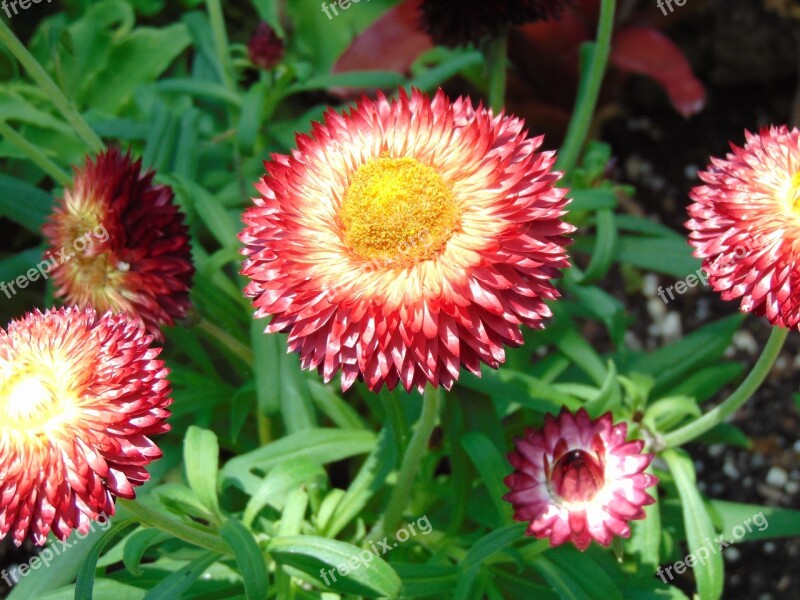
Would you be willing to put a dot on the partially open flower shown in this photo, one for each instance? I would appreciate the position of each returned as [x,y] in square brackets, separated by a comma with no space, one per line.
[80,394]
[577,480]
[265,48]
[458,23]
[745,225]
[406,239]
[118,241]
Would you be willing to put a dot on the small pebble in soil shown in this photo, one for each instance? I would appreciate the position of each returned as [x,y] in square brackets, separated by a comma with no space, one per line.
[743,340]
[650,285]
[732,554]
[716,450]
[730,469]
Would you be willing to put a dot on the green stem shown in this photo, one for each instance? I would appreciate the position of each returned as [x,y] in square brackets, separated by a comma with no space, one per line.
[588,91]
[227,340]
[43,80]
[35,154]
[188,533]
[398,500]
[743,393]
[496,58]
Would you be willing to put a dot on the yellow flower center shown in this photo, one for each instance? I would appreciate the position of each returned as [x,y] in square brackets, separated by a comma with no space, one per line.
[793,194]
[27,404]
[398,209]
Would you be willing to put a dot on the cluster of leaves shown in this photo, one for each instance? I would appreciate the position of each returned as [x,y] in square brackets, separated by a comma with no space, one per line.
[256,507]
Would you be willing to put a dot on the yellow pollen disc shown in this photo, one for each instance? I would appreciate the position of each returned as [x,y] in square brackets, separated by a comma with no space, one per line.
[794,193]
[27,403]
[398,209]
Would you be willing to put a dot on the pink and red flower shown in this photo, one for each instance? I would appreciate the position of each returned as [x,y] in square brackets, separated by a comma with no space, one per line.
[579,480]
[406,239]
[80,396]
[745,225]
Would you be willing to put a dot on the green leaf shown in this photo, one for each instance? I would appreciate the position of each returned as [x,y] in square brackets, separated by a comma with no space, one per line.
[430,581]
[667,413]
[662,255]
[267,361]
[561,581]
[486,547]
[62,570]
[492,466]
[104,589]
[201,457]
[604,249]
[249,558]
[756,522]
[296,407]
[137,544]
[646,534]
[348,569]
[331,405]
[507,387]
[698,524]
[592,199]
[432,77]
[181,580]
[85,579]
[24,204]
[320,445]
[280,482]
[369,480]
[133,62]
[200,89]
[726,433]
[673,363]
[707,382]
[584,571]
[354,79]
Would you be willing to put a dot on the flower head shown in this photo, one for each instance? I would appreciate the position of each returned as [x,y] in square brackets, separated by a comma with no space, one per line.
[406,239]
[265,48]
[745,225]
[80,394]
[459,23]
[118,241]
[578,479]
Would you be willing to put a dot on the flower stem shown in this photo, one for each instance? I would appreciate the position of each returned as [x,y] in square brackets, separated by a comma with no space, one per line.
[398,500]
[35,154]
[496,58]
[188,533]
[588,91]
[745,390]
[43,80]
